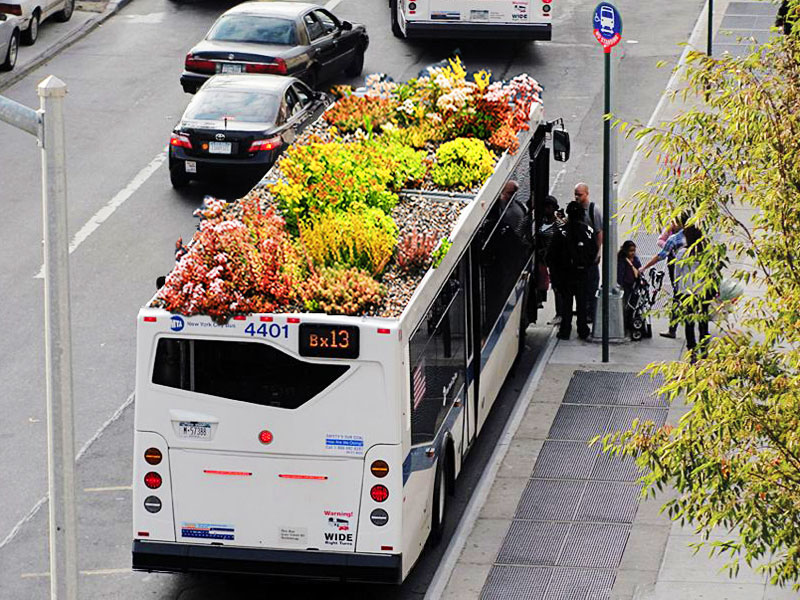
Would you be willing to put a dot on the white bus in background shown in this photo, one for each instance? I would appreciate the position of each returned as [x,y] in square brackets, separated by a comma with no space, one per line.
[326,446]
[472,19]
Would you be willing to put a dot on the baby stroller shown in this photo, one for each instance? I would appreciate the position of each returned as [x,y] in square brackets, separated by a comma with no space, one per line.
[642,298]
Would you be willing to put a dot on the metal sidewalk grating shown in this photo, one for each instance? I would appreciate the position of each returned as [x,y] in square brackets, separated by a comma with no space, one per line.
[545,500]
[565,460]
[580,584]
[622,418]
[611,388]
[594,545]
[532,543]
[515,583]
[607,502]
[579,423]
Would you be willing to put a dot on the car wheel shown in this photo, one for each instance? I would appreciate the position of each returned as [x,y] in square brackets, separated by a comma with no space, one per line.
[11,53]
[65,14]
[32,32]
[395,23]
[355,68]
[439,509]
[178,176]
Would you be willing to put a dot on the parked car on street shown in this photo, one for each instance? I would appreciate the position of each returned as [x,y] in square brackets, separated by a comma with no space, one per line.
[9,41]
[282,38]
[33,12]
[240,123]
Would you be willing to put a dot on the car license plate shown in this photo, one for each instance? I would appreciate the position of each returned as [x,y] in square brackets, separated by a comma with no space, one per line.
[191,166]
[229,68]
[199,431]
[219,147]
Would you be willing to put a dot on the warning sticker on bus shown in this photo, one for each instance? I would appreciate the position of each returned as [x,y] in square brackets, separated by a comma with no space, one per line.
[352,445]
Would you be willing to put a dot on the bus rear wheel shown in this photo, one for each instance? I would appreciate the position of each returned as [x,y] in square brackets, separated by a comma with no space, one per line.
[439,509]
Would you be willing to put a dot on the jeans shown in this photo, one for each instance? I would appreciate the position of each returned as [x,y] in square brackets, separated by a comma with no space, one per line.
[701,318]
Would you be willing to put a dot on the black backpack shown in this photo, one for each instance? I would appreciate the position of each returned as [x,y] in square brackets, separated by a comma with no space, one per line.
[581,245]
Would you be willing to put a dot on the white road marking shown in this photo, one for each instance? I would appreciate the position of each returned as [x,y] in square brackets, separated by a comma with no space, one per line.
[112,488]
[92,572]
[36,507]
[104,213]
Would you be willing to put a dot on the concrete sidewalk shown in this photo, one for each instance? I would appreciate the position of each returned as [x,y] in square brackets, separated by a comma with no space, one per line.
[561,521]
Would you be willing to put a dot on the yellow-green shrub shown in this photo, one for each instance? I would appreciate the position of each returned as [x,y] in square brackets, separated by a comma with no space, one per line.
[462,164]
[360,237]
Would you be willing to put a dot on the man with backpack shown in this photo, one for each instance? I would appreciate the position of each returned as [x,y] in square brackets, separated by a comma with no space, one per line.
[573,251]
[593,217]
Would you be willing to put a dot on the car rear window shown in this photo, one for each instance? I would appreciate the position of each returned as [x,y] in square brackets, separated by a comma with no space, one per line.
[248,107]
[251,372]
[249,28]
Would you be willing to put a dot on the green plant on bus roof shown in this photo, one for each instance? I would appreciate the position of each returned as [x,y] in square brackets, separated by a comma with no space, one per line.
[360,237]
[440,252]
[341,291]
[462,164]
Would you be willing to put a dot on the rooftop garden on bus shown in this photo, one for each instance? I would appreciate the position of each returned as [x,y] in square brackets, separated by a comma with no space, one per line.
[329,228]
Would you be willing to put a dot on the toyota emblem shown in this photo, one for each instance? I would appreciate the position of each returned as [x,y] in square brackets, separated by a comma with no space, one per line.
[231,56]
[220,136]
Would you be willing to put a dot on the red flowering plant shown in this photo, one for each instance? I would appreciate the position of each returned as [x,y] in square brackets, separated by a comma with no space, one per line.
[353,112]
[235,264]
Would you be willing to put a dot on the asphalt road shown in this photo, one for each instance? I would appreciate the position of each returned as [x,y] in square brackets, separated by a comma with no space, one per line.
[124,96]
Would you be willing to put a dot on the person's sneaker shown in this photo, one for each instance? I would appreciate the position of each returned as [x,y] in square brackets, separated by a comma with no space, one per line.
[556,321]
[585,337]
[668,334]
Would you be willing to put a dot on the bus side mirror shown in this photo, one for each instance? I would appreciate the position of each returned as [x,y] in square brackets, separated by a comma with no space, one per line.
[560,145]
[160,281]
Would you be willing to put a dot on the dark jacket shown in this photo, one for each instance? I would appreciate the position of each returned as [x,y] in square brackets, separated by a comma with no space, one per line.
[625,278]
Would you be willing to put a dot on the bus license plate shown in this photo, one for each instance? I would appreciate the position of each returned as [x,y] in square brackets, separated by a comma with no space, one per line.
[200,431]
[219,147]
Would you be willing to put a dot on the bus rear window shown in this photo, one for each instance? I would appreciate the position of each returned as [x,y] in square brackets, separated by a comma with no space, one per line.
[245,371]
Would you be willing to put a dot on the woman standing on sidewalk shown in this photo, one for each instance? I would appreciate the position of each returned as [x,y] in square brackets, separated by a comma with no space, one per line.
[628,266]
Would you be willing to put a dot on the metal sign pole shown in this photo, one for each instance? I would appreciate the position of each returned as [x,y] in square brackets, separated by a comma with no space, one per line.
[606,200]
[709,45]
[58,346]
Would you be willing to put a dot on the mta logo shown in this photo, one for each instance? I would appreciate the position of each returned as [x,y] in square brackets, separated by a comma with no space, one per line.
[177,323]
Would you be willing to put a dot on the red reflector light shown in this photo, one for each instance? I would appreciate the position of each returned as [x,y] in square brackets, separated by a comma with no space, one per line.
[384,331]
[264,145]
[278,67]
[547,1]
[379,493]
[387,547]
[11,9]
[239,473]
[266,319]
[293,476]
[239,318]
[292,320]
[198,65]
[150,319]
[152,480]
[152,456]
[143,534]
[180,141]
[265,437]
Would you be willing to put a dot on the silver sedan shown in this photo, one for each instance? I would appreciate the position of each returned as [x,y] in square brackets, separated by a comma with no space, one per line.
[9,41]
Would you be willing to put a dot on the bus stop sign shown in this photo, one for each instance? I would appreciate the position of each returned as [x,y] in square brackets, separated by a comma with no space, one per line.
[607,24]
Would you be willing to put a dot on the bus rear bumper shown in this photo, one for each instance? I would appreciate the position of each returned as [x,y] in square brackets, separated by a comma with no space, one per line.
[430,29]
[181,558]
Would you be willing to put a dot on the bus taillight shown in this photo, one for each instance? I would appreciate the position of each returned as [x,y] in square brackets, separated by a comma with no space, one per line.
[152,456]
[379,468]
[379,493]
[152,480]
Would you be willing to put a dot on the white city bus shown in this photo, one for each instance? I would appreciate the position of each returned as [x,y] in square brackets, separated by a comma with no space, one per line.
[325,446]
[468,19]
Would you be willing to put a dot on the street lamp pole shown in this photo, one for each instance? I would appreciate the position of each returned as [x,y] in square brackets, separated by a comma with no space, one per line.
[709,45]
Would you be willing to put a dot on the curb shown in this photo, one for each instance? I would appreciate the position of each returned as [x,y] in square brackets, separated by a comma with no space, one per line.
[111,9]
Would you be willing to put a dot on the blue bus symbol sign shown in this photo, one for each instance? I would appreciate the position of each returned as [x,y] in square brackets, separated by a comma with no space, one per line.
[607,24]
[177,323]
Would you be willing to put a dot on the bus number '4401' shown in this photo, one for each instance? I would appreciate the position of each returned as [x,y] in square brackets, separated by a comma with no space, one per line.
[273,331]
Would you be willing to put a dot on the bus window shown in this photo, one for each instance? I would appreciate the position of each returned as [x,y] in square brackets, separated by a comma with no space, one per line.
[246,371]
[437,352]
[505,247]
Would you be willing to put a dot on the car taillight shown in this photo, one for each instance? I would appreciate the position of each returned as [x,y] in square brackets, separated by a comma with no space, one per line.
[152,456]
[268,144]
[278,67]
[181,141]
[379,493]
[199,65]
[11,9]
[152,480]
